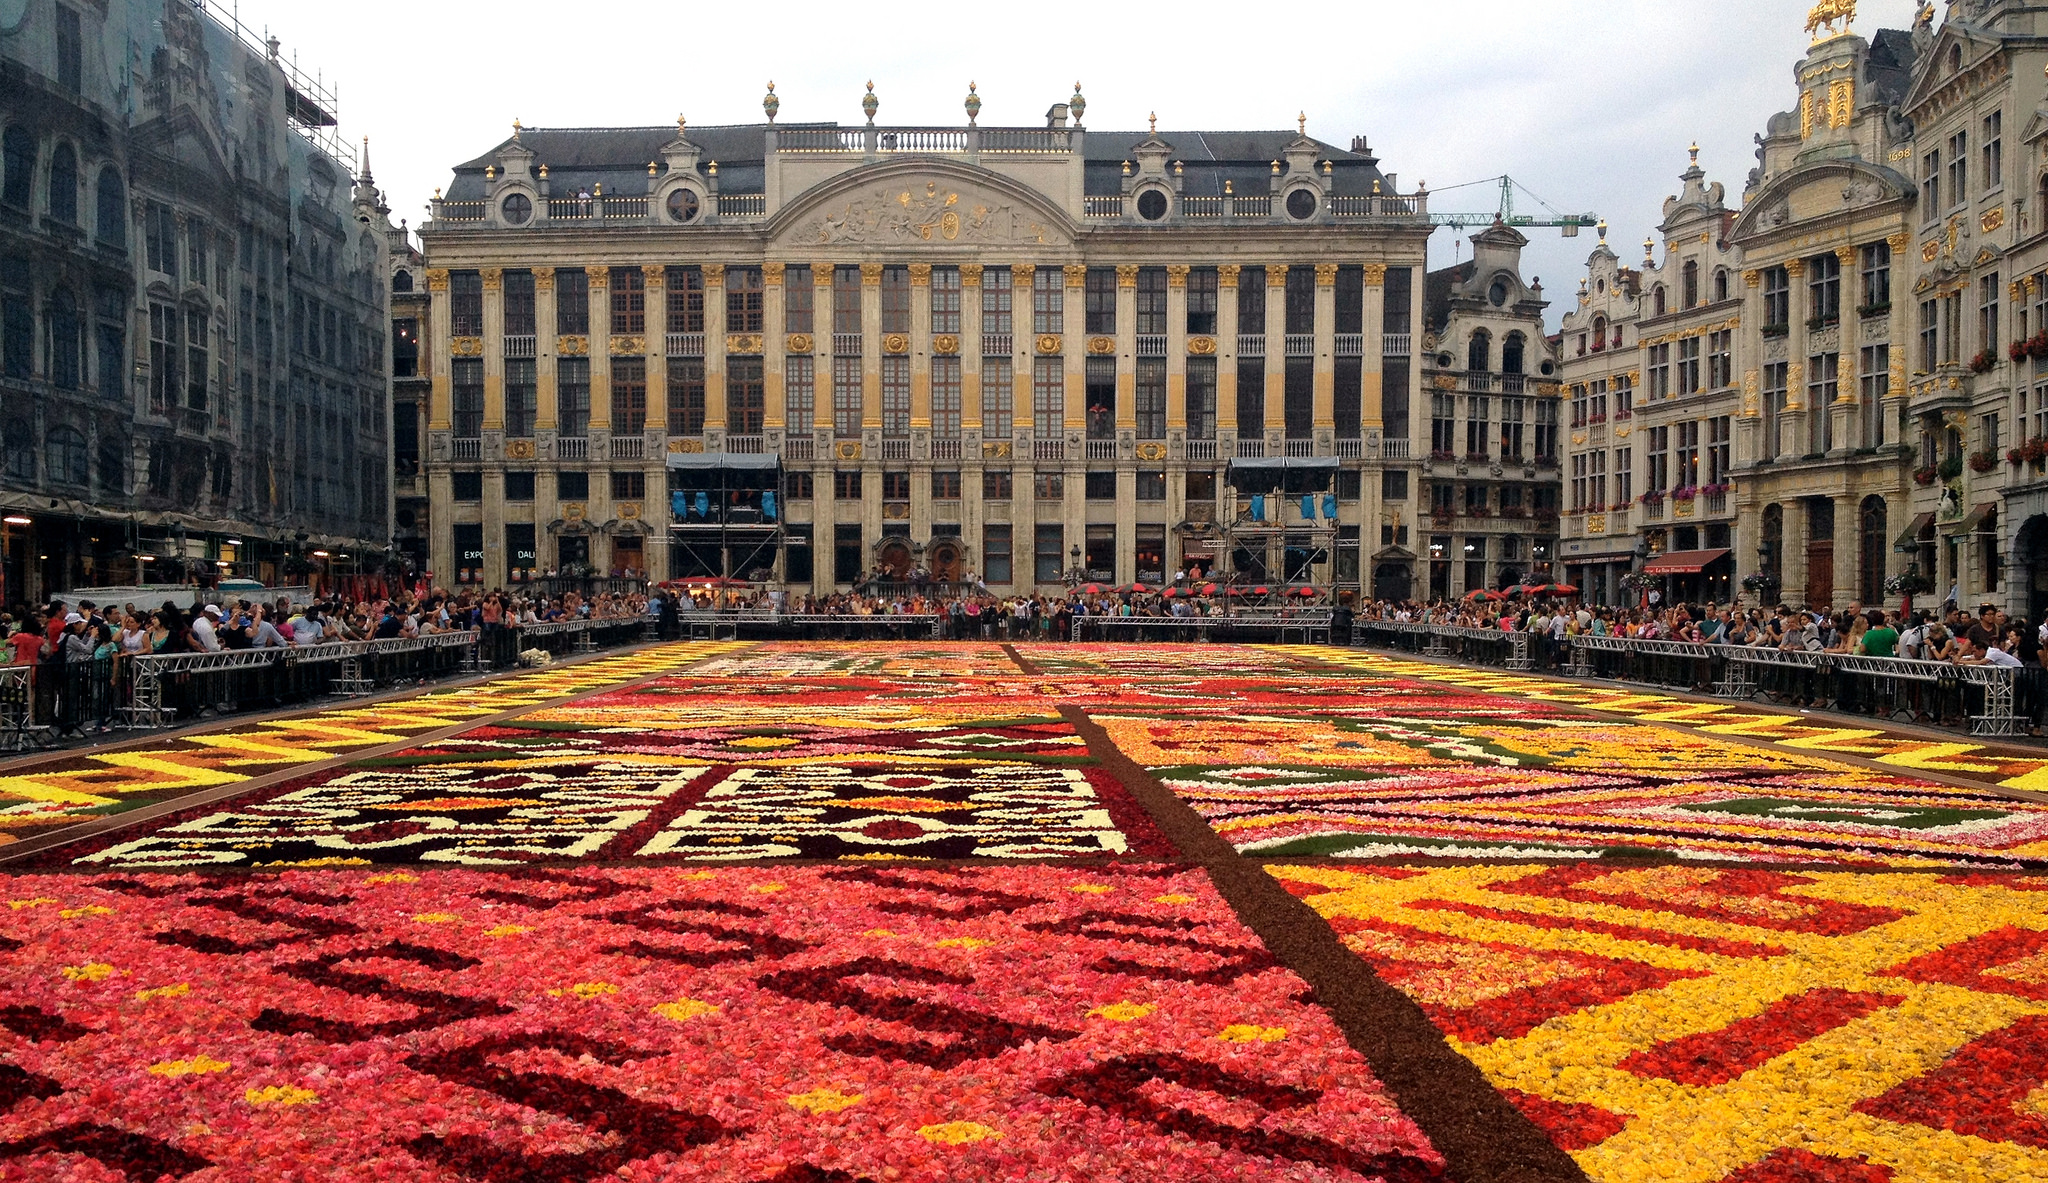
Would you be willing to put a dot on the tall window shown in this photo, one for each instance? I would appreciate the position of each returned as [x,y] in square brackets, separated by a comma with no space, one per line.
[629,301]
[1660,459]
[64,185]
[1689,284]
[1930,335]
[1151,301]
[1202,300]
[845,395]
[1958,168]
[18,160]
[1624,398]
[1624,476]
[1876,271]
[1479,351]
[800,391]
[1689,365]
[686,300]
[196,370]
[572,301]
[465,304]
[895,299]
[113,341]
[1512,413]
[1047,559]
[166,355]
[1201,387]
[1443,424]
[686,395]
[1988,296]
[1874,383]
[467,390]
[1546,430]
[746,398]
[1477,416]
[1952,326]
[946,300]
[1580,468]
[998,403]
[1687,472]
[1099,396]
[70,50]
[520,398]
[799,301]
[68,461]
[1511,353]
[1720,359]
[1660,372]
[1777,298]
[895,395]
[846,297]
[995,553]
[67,343]
[1251,301]
[1048,397]
[1930,185]
[996,293]
[1774,377]
[572,396]
[629,395]
[1099,293]
[111,225]
[946,397]
[743,300]
[1048,301]
[1596,477]
[519,321]
[1824,289]
[1823,385]
[1719,466]
[1150,397]
[1994,150]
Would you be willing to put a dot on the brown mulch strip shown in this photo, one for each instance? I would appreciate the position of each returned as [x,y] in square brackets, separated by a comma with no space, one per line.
[1482,1136]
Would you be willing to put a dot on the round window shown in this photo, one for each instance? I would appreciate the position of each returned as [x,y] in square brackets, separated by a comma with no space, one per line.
[1301,204]
[517,209]
[1151,205]
[682,205]
[1498,293]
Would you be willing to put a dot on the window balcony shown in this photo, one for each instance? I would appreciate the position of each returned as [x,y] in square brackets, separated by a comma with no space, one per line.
[629,447]
[461,449]
[572,447]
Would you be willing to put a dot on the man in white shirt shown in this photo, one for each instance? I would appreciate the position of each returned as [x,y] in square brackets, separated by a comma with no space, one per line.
[203,626]
[1999,657]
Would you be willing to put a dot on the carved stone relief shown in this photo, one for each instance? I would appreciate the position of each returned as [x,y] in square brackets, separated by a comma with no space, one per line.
[920,212]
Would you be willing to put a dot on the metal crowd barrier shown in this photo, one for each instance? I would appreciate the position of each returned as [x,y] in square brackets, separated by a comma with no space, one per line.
[1990,701]
[1307,628]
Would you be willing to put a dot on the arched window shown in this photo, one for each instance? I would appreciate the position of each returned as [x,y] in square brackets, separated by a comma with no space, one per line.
[1690,280]
[112,464]
[1480,352]
[66,345]
[1772,556]
[1657,300]
[1720,284]
[1599,333]
[64,185]
[402,282]
[112,223]
[18,157]
[67,460]
[19,445]
[1511,354]
[1873,545]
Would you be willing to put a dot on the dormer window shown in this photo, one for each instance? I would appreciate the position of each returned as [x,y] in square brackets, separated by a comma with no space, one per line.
[1497,295]
[1301,205]
[683,205]
[1152,205]
[517,209]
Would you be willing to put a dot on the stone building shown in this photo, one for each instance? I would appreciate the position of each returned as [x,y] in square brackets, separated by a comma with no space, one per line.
[808,352]
[1491,471]
[192,320]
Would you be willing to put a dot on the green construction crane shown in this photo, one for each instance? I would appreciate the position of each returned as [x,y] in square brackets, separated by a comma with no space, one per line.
[1568,223]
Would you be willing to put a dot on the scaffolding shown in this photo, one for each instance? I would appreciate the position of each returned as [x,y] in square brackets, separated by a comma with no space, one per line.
[312,103]
[726,516]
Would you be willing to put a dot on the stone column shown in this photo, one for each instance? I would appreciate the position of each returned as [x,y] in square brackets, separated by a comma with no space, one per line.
[494,350]
[440,489]
[973,515]
[1848,549]
[440,321]
[871,406]
[1747,446]
[1896,394]
[774,345]
[824,510]
[1025,469]
[1073,352]
[1176,407]
[1842,415]
[920,355]
[1276,350]
[1125,343]
[714,353]
[1226,352]
[654,281]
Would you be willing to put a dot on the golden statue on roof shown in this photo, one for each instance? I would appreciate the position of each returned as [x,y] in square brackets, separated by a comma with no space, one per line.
[1824,15]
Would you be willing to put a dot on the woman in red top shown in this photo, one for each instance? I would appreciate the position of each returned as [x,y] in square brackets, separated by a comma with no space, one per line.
[27,643]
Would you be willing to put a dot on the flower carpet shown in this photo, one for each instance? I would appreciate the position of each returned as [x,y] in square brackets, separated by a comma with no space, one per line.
[852,913]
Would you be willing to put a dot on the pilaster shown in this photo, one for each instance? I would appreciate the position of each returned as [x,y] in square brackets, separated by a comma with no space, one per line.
[1176,370]
[1372,368]
[494,356]
[774,347]
[440,317]
[1226,351]
[600,354]
[714,348]
[1324,407]
[545,414]
[1276,349]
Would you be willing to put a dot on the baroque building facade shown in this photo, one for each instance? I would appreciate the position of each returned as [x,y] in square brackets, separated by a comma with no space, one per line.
[192,318]
[1026,355]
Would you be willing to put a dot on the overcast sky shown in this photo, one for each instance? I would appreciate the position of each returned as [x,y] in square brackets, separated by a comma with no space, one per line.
[1588,103]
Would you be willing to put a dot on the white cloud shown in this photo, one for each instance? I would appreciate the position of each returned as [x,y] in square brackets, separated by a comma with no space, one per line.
[1589,103]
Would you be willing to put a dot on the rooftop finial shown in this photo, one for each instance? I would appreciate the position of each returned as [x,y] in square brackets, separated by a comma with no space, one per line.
[1153,118]
[365,169]
[1649,250]
[1822,16]
[973,105]
[770,103]
[1301,123]
[1603,231]
[1077,104]
[682,126]
[517,127]
[1695,151]
[869,102]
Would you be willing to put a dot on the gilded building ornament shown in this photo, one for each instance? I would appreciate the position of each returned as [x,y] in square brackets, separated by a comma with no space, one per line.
[2028,283]
[1375,275]
[628,511]
[895,343]
[655,279]
[686,446]
[946,343]
[744,343]
[846,450]
[1795,267]
[1326,275]
[518,449]
[1993,218]
[714,275]
[575,345]
[1022,274]
[821,275]
[1806,106]
[995,450]
[544,279]
[1101,345]
[1077,275]
[437,279]
[771,274]
[799,343]
[574,511]
[1226,275]
[466,346]
[920,275]
[970,275]
[1930,251]
[927,213]
[628,346]
[2013,290]
[1127,275]
[493,277]
[1899,241]
[1579,439]
[1752,278]
[1444,382]
[600,277]
[1201,346]
[1276,277]
[1596,523]
[871,275]
[1048,343]
[1841,102]
[1847,256]
[1176,275]
[1749,394]
[1151,450]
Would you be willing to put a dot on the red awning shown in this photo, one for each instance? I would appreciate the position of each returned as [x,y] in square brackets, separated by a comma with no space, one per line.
[1682,562]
